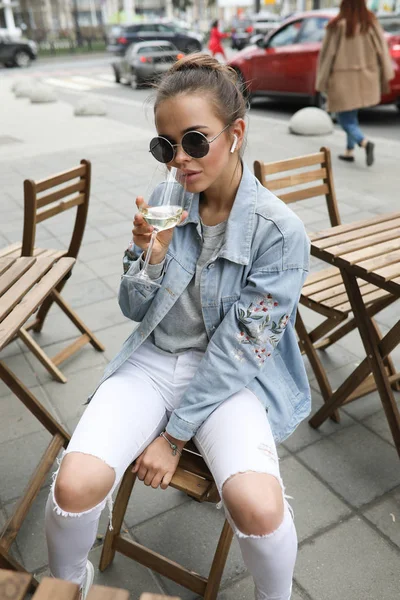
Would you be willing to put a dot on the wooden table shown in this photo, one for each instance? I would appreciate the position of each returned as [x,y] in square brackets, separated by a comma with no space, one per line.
[366,253]
[14,586]
[24,284]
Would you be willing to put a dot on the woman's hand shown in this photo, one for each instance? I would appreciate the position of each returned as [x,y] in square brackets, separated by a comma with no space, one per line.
[142,233]
[156,465]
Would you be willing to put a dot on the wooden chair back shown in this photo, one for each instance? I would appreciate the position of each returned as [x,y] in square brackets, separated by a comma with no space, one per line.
[310,176]
[59,193]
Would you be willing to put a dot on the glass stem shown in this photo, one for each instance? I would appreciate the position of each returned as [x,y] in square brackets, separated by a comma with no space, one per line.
[149,250]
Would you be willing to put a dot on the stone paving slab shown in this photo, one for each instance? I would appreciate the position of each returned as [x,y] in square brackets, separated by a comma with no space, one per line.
[350,562]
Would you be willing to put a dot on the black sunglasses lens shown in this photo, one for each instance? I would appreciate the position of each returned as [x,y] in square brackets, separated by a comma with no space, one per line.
[195,144]
[162,150]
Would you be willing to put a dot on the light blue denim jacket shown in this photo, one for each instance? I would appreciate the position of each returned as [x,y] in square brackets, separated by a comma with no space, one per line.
[249,296]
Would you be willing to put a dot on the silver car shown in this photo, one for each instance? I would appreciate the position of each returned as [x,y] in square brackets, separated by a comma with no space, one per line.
[145,61]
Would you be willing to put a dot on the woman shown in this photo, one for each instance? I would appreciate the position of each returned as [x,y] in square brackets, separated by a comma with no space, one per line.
[354,70]
[215,355]
[214,43]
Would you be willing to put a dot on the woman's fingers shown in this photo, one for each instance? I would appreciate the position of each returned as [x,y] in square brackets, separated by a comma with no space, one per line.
[166,480]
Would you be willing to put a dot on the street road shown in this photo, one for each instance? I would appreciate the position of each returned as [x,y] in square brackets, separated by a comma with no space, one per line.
[79,75]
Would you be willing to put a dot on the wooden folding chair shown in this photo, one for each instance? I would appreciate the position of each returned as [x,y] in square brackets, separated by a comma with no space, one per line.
[64,191]
[194,478]
[324,292]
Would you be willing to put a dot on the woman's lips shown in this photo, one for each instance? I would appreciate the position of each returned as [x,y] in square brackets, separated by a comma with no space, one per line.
[191,176]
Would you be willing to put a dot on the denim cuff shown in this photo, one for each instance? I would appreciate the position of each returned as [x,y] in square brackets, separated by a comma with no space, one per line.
[180,429]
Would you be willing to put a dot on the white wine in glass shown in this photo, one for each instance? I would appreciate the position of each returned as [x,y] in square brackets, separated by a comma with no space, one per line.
[163,212]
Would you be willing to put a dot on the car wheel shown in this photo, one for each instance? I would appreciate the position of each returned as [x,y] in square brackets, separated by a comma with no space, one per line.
[398,104]
[192,47]
[22,59]
[320,101]
[117,75]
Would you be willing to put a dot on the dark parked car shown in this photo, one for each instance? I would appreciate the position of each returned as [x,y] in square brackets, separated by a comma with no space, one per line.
[144,62]
[121,37]
[16,52]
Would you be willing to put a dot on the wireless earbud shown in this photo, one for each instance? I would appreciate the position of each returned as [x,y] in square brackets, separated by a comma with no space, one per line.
[235,141]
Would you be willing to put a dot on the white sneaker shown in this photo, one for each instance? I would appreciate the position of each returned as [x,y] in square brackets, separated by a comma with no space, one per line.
[88,580]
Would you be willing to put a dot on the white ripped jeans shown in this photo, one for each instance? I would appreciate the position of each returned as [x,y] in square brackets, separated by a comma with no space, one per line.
[128,411]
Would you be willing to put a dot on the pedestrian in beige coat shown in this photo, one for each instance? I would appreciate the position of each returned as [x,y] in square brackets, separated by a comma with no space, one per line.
[354,70]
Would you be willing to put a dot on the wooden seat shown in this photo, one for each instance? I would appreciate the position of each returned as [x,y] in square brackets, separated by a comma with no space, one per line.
[194,478]
[311,176]
[58,193]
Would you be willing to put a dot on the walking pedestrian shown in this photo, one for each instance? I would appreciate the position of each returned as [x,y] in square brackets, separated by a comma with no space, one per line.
[215,356]
[214,43]
[354,70]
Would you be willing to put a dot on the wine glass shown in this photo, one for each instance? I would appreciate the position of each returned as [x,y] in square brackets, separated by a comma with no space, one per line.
[163,212]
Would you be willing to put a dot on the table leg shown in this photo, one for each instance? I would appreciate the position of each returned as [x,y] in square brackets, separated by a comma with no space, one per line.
[32,403]
[372,346]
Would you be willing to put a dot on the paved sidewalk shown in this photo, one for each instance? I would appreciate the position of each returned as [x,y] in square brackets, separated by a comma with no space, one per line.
[344,479]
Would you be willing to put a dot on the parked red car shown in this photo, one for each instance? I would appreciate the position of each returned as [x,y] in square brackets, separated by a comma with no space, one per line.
[284,63]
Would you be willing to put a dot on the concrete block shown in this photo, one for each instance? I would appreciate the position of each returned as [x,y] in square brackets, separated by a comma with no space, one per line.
[356,463]
[90,107]
[24,88]
[350,562]
[42,94]
[311,121]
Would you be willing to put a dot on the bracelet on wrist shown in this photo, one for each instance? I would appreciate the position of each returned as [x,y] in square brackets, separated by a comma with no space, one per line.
[174,447]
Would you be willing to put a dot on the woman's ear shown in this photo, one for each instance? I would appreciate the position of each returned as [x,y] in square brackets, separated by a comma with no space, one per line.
[238,131]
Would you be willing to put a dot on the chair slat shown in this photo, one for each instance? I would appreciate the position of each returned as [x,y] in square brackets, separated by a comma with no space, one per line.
[5,252]
[189,483]
[59,194]
[320,286]
[33,298]
[14,273]
[330,233]
[293,163]
[312,192]
[372,251]
[377,294]
[63,206]
[338,299]
[333,292]
[45,184]
[56,589]
[5,264]
[321,275]
[364,242]
[359,233]
[26,282]
[298,179]
[13,584]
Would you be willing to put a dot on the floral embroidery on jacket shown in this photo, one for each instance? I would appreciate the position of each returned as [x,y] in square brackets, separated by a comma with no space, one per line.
[257,328]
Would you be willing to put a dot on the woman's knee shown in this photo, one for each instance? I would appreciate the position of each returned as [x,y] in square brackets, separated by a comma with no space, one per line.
[82,482]
[255,502]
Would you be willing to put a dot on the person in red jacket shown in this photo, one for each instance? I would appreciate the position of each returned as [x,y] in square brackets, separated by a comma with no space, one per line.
[216,36]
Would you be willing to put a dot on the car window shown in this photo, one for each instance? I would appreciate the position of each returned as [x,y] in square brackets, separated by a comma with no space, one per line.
[390,23]
[313,30]
[285,36]
[165,28]
[132,29]
[148,28]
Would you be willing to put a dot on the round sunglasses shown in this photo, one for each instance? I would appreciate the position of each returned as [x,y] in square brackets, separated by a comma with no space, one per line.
[194,143]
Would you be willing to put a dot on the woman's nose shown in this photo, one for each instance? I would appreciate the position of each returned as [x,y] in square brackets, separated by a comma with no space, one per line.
[180,156]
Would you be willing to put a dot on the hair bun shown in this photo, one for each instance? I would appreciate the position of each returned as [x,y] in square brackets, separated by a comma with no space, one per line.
[200,60]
